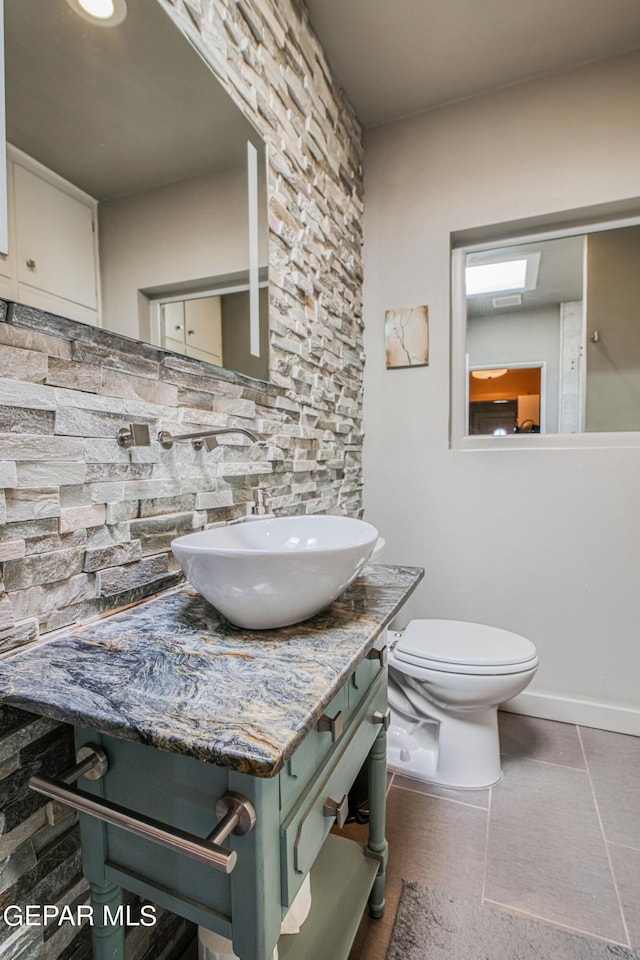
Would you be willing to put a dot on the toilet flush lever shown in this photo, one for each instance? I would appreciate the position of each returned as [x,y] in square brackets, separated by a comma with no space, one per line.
[384,719]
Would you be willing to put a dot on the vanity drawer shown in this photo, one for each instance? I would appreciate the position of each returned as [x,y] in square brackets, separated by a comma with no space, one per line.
[365,673]
[306,828]
[313,750]
[318,745]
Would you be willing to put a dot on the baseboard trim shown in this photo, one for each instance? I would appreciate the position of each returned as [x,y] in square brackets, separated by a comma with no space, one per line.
[586,713]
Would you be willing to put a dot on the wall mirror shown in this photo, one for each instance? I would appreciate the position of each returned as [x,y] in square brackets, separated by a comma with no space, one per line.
[547,334]
[137,196]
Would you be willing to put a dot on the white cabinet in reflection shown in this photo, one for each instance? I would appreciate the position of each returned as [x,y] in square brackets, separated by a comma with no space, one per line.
[53,256]
[193,328]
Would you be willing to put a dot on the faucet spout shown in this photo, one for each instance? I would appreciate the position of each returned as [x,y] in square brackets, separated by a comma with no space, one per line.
[206,438]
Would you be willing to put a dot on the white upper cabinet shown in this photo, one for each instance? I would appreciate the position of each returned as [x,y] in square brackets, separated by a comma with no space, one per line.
[54,238]
[53,256]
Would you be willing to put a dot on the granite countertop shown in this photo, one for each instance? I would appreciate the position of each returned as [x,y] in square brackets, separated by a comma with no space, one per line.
[172,673]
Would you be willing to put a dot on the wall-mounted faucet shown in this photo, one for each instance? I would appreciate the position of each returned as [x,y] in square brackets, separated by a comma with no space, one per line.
[135,435]
[206,438]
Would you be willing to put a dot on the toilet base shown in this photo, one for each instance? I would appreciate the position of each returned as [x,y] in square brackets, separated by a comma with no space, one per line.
[461,750]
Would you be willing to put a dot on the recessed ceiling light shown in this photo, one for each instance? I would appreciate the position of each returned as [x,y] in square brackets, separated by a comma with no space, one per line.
[102,13]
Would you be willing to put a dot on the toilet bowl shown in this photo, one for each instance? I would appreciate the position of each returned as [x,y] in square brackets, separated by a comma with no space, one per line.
[447,679]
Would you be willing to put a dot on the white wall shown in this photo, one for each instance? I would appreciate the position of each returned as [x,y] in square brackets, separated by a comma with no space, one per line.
[185,231]
[613,362]
[543,542]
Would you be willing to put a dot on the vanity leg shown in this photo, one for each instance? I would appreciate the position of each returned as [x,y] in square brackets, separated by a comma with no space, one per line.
[377,844]
[256,906]
[107,938]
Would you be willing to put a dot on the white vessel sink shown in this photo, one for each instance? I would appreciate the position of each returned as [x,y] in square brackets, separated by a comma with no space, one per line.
[277,571]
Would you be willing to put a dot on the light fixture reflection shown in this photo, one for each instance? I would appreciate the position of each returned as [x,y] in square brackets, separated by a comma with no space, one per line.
[101,9]
[488,374]
[102,13]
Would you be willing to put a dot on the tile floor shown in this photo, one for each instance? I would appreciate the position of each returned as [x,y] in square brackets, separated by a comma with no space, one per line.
[558,840]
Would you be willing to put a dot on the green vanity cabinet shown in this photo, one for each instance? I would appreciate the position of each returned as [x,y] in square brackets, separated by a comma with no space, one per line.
[289,836]
[188,728]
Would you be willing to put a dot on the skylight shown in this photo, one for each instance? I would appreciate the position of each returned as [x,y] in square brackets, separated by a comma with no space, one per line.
[496,277]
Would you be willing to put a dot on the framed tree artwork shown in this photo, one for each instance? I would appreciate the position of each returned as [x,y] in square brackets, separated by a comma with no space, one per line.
[406,333]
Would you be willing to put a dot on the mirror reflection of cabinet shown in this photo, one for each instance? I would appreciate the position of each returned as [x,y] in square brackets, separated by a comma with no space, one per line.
[131,114]
[193,328]
[213,327]
[52,261]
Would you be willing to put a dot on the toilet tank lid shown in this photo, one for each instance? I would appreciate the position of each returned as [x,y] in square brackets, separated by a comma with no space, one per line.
[461,642]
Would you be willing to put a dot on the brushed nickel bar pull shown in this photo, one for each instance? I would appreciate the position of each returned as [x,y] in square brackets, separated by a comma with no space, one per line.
[145,827]
[235,815]
[238,816]
[91,762]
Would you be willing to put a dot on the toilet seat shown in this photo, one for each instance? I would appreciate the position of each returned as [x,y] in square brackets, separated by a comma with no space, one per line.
[456,646]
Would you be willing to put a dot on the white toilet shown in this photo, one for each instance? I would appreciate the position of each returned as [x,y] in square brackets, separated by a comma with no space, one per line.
[446,681]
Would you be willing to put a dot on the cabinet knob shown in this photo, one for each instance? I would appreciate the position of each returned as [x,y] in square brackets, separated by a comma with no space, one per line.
[191,333]
[178,326]
[333,725]
[380,655]
[384,719]
[31,264]
[339,809]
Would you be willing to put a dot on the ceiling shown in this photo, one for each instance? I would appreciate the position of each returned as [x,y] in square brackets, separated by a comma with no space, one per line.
[559,277]
[116,132]
[398,57]
[100,107]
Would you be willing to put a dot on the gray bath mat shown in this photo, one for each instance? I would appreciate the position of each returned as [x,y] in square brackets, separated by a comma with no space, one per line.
[431,925]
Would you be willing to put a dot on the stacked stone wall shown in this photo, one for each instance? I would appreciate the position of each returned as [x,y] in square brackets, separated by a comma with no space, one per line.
[86,525]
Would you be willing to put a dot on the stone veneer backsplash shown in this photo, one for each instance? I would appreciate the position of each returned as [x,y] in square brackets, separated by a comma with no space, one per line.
[86,524]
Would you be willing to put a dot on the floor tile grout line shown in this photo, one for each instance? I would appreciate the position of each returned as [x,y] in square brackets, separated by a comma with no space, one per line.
[390,784]
[625,846]
[486,847]
[547,763]
[516,912]
[437,796]
[605,841]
